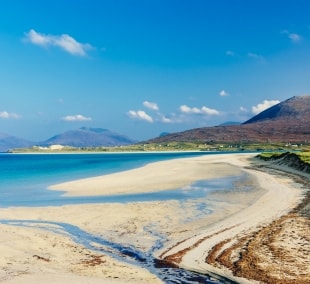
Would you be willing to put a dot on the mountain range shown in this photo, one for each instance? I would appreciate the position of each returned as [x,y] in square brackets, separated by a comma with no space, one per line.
[82,137]
[287,122]
[10,142]
[88,137]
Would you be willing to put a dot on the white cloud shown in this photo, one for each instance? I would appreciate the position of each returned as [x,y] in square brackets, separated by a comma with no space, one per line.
[243,109]
[209,111]
[185,114]
[77,117]
[140,115]
[295,38]
[8,115]
[194,110]
[37,38]
[264,105]
[165,119]
[256,56]
[64,41]
[187,109]
[223,93]
[230,53]
[152,106]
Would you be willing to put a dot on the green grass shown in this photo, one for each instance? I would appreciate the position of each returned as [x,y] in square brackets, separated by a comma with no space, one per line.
[305,157]
[268,155]
[269,149]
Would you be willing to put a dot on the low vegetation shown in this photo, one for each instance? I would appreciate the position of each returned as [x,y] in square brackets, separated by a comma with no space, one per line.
[296,160]
[303,155]
[268,148]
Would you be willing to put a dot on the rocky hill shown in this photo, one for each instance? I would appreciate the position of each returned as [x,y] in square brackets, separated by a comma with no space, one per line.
[288,122]
[295,111]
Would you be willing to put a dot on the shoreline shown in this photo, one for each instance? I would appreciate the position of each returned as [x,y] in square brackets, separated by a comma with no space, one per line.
[219,249]
[156,176]
[125,223]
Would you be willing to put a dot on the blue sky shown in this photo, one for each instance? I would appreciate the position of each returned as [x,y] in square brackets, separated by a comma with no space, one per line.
[142,67]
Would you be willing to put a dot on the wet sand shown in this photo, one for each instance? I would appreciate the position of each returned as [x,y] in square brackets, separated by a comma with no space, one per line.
[30,254]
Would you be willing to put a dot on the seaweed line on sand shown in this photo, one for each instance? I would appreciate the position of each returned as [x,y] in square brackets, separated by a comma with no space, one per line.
[276,253]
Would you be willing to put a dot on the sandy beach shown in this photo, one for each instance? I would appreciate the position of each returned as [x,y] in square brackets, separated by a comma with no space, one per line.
[193,239]
[158,176]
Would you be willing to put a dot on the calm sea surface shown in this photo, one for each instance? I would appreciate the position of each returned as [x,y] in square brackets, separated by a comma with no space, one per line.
[24,178]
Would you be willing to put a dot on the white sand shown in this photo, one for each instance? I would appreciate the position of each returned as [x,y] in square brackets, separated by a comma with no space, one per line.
[30,255]
[280,197]
[157,176]
[61,260]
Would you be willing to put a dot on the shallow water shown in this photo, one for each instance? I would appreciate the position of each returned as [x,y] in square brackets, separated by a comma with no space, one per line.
[25,178]
[128,254]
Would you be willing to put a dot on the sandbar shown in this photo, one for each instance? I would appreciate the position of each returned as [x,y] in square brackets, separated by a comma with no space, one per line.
[156,176]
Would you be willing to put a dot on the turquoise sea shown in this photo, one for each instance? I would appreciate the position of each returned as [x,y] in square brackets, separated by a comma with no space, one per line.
[25,178]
